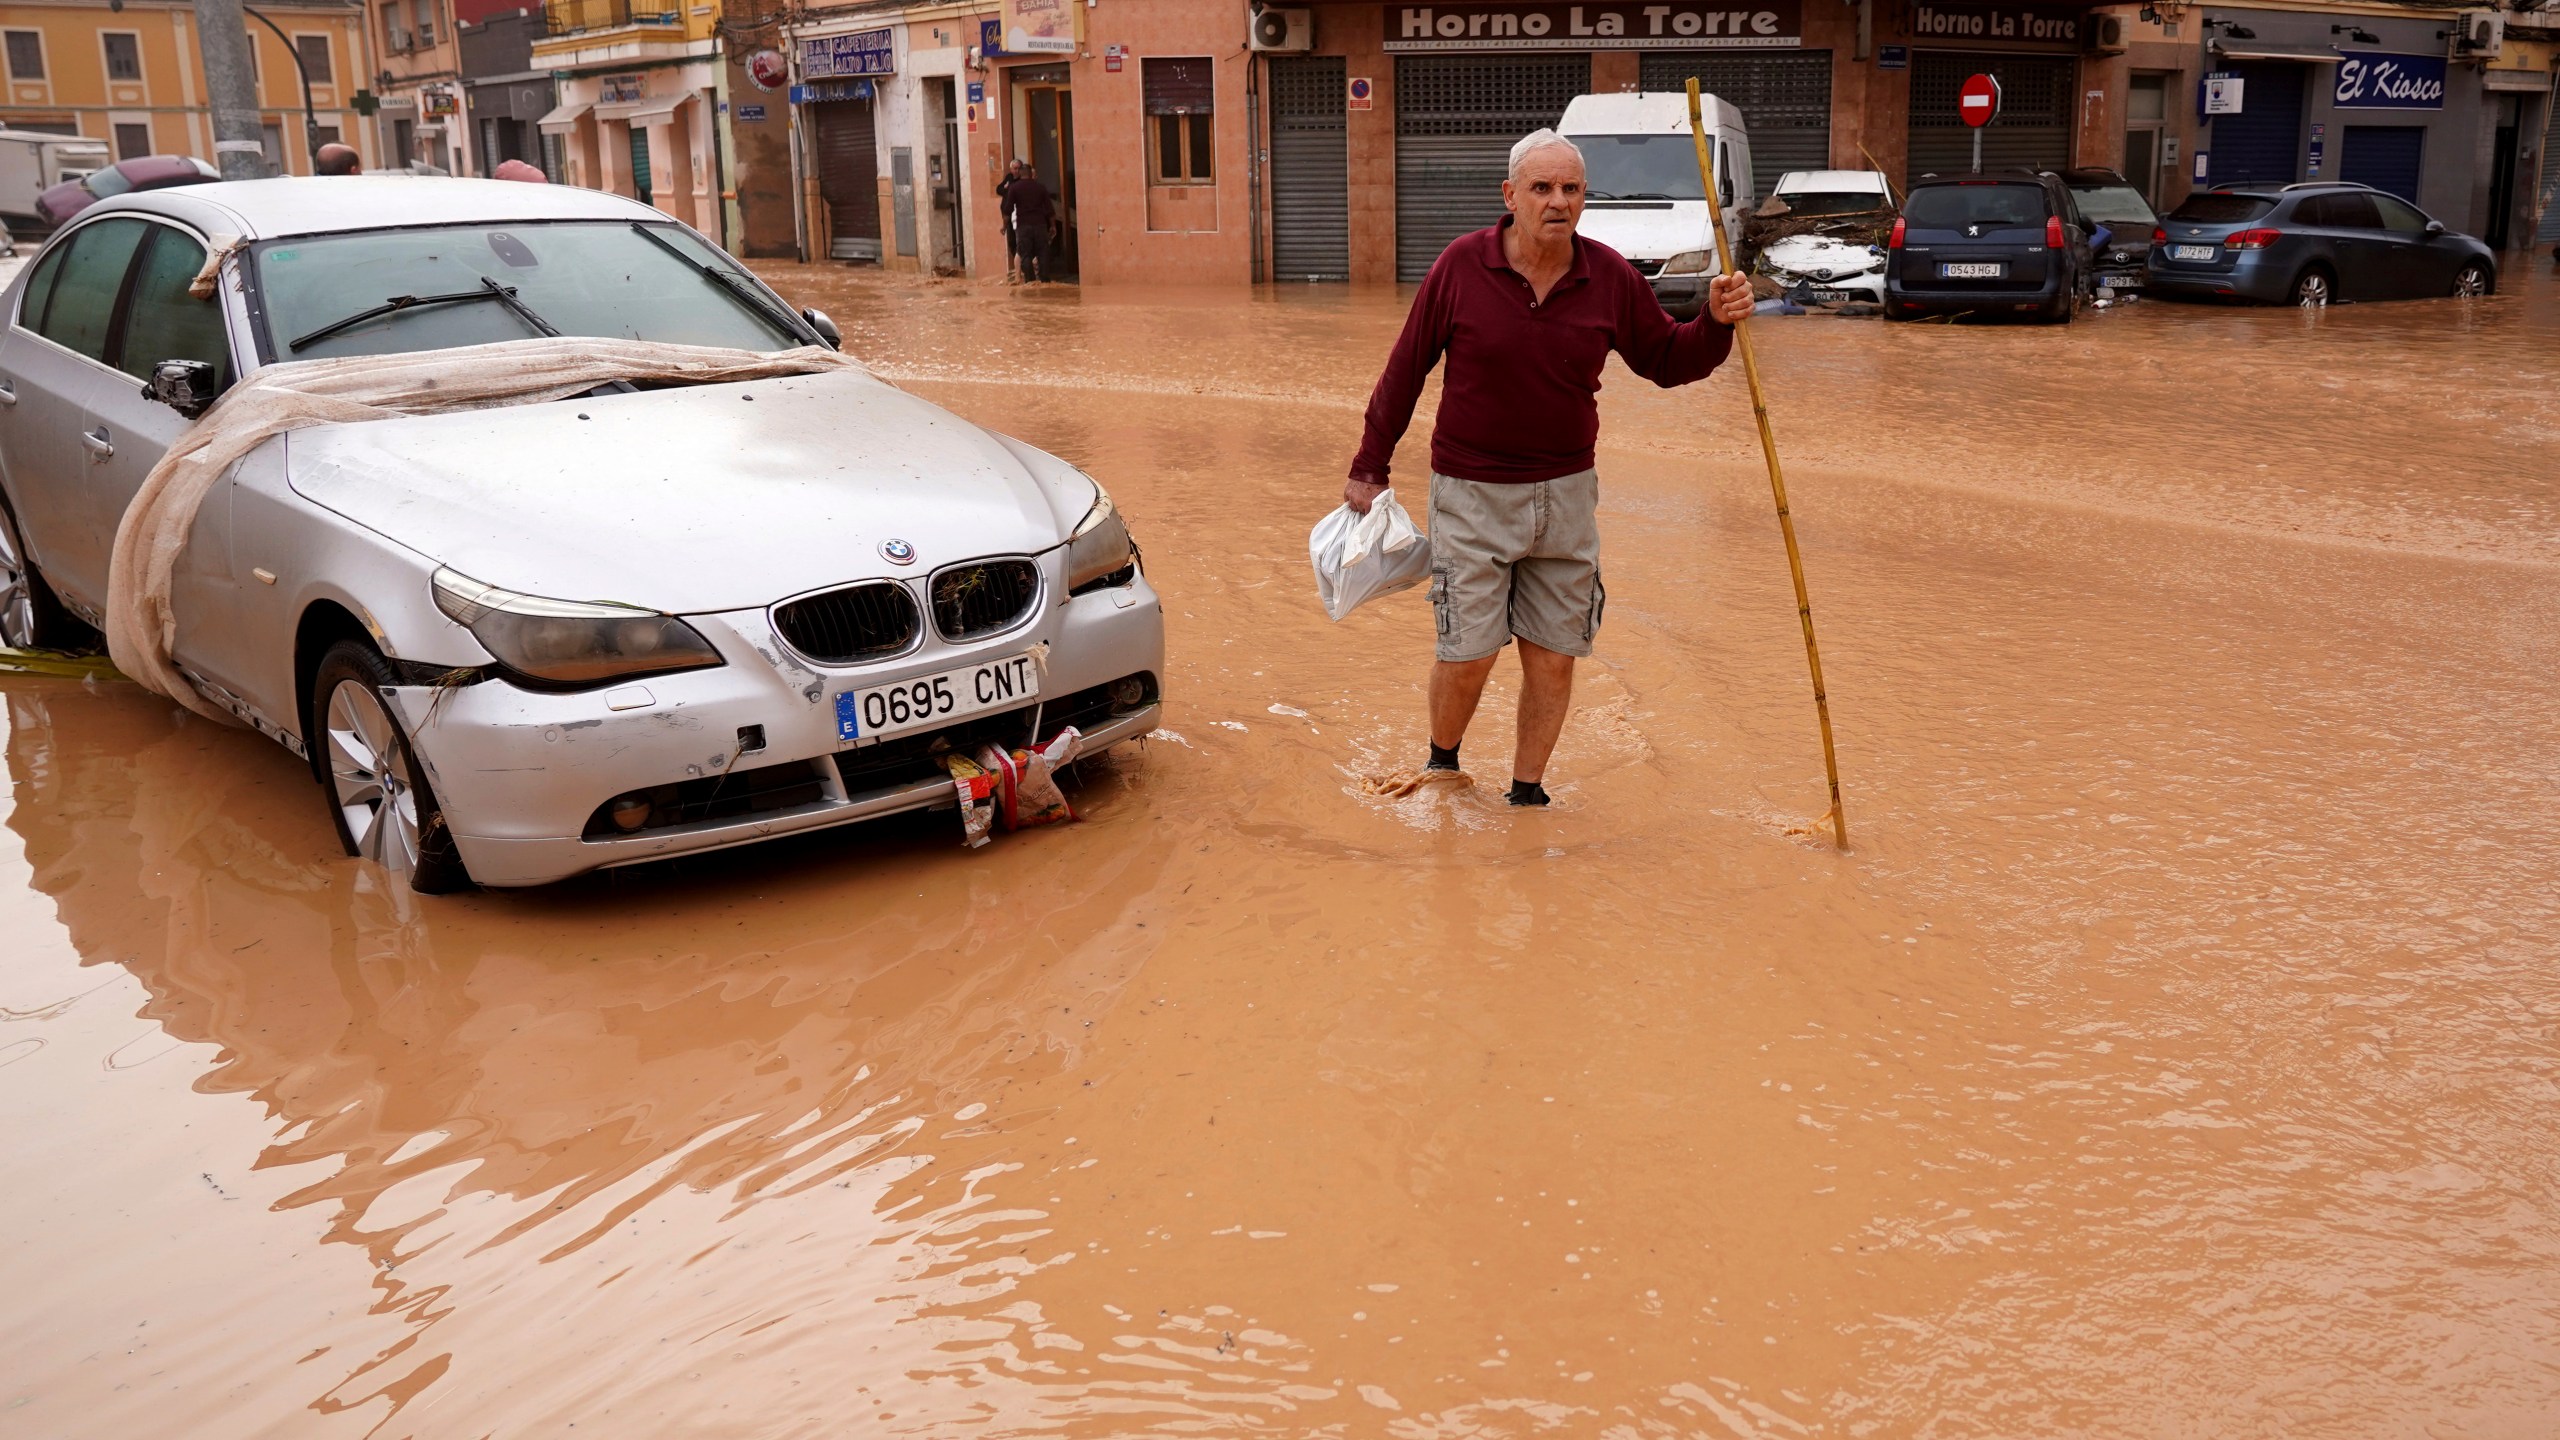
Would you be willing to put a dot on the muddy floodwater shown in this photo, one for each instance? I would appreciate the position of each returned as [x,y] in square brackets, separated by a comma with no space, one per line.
[2176,1054]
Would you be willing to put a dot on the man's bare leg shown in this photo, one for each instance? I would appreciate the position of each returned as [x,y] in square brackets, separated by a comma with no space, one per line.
[1546,697]
[1456,686]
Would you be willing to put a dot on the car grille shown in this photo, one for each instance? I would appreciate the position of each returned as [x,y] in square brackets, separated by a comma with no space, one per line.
[857,623]
[984,598]
[1647,267]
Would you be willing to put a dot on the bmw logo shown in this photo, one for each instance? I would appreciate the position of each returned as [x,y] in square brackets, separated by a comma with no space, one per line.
[897,552]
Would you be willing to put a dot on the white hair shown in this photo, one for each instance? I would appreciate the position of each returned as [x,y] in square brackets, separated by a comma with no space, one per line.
[1535,141]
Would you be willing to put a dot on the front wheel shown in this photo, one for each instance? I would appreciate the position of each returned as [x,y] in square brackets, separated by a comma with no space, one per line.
[378,793]
[2473,280]
[2313,289]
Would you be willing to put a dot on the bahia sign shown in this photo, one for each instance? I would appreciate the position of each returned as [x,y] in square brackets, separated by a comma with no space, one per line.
[1685,25]
[2390,82]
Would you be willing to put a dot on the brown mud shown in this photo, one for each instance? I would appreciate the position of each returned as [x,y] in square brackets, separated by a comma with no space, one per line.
[2175,1054]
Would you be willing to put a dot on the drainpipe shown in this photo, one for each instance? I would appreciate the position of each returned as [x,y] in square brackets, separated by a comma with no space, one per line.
[1253,160]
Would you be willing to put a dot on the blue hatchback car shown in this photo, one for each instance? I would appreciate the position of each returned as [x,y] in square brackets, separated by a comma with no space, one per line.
[2310,244]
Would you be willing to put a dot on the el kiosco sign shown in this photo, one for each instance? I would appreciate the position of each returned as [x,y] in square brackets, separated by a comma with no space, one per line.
[1686,25]
[2390,82]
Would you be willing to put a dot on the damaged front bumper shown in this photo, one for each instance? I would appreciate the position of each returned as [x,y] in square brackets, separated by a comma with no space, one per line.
[749,751]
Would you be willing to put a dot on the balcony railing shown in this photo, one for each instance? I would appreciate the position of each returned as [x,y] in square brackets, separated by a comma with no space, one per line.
[568,17]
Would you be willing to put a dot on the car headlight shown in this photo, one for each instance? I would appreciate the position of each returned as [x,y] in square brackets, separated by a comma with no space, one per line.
[1690,262]
[570,642]
[1099,551]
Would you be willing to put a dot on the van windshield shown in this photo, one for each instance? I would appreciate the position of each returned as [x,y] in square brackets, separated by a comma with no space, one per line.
[1640,167]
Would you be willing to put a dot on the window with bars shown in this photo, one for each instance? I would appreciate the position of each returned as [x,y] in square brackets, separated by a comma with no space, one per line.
[314,50]
[1181,105]
[124,54]
[26,55]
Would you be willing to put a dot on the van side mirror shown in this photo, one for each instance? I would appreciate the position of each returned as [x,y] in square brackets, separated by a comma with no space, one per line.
[825,327]
[186,386]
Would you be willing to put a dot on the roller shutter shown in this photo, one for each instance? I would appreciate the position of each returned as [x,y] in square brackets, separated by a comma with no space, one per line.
[1457,117]
[1310,169]
[849,178]
[1784,96]
[2385,157]
[2547,230]
[2262,145]
[2034,128]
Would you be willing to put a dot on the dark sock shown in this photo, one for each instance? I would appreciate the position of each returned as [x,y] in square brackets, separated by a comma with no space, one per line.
[1528,792]
[1443,759]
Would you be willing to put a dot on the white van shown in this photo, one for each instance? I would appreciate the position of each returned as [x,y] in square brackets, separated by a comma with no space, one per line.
[34,161]
[1645,199]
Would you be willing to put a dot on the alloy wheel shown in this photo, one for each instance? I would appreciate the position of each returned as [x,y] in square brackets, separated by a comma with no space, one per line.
[2471,283]
[369,779]
[17,592]
[2311,292]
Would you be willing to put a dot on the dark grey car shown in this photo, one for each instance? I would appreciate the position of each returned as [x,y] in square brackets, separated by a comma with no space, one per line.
[2310,244]
[1988,243]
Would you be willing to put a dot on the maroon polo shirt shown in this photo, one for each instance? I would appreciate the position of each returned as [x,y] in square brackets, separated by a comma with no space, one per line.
[1519,402]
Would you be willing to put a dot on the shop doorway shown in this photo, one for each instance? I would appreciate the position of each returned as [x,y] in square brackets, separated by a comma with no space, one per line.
[942,176]
[1784,96]
[1310,169]
[2146,119]
[1044,111]
[2502,169]
[640,163]
[2034,128]
[1457,117]
[849,178]
[2263,144]
[2386,157]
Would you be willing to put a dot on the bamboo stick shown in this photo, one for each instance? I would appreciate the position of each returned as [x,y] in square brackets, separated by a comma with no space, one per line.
[1777,480]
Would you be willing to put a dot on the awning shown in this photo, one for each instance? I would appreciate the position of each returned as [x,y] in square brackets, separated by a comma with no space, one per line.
[2533,80]
[564,118]
[2259,50]
[655,110]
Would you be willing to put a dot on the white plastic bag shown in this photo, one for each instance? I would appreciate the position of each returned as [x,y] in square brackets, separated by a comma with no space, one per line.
[1361,557]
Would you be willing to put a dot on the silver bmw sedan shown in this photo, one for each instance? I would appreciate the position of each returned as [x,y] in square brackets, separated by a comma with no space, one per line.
[520,643]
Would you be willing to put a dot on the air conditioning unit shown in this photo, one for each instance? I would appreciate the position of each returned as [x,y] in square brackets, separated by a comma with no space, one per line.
[2106,34]
[1282,30]
[2479,34]
[401,43]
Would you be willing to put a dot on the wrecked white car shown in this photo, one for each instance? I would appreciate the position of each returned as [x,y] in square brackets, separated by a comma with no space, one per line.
[522,642]
[1819,236]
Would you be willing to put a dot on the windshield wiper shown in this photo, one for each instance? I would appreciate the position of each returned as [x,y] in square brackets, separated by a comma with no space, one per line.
[740,288]
[489,290]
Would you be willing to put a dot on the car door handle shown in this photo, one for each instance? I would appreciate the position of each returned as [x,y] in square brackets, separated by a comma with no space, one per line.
[8,391]
[97,442]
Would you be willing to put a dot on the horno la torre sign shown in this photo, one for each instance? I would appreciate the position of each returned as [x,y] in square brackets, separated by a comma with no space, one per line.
[1691,25]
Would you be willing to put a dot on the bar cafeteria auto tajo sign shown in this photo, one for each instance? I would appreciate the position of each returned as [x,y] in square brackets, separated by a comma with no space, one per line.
[1690,25]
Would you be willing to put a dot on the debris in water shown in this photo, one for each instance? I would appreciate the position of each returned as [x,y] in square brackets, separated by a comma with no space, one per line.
[61,664]
[1396,787]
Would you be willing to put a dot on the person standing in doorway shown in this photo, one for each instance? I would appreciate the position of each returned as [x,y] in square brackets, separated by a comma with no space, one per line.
[1004,213]
[1034,217]
[1526,313]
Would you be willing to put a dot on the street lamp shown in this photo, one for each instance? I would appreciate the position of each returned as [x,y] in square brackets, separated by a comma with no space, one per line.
[310,116]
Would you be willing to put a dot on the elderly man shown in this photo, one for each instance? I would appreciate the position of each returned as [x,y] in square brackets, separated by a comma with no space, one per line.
[1526,313]
[336,159]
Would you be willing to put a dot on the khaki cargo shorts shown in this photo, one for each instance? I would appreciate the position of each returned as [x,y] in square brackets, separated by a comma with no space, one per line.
[1516,560]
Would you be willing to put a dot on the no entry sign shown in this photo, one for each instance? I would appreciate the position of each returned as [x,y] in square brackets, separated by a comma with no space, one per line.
[1979,101]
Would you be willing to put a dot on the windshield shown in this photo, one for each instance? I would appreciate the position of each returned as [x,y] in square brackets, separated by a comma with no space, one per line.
[1947,207]
[1817,203]
[2212,209]
[1647,167]
[106,183]
[594,279]
[2116,206]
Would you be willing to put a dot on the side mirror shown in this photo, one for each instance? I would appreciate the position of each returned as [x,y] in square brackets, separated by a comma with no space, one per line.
[186,386]
[2435,227]
[825,327]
